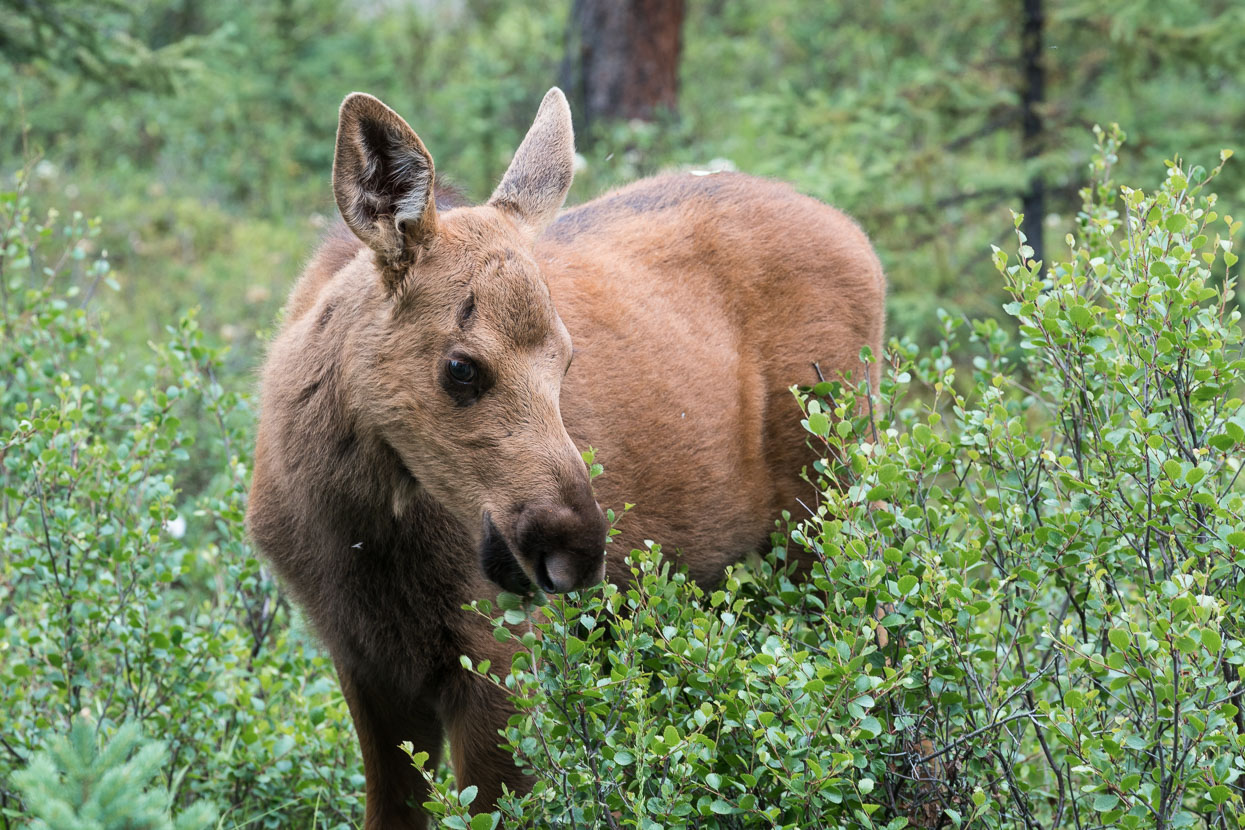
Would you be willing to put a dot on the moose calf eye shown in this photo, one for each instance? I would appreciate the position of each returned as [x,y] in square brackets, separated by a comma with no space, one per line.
[461,371]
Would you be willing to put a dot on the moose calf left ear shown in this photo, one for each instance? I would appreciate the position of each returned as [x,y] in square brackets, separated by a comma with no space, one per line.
[538,179]
[382,180]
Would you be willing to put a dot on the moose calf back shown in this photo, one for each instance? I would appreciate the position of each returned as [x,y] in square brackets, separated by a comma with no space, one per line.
[695,303]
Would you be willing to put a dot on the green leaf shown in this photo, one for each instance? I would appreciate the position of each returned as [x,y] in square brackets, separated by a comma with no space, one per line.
[484,821]
[871,725]
[1119,638]
[1176,222]
[1212,640]
[1081,316]
[1105,801]
[507,601]
[1222,442]
[468,795]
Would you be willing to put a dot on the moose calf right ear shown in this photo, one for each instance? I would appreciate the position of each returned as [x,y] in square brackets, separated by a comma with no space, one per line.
[536,183]
[382,180]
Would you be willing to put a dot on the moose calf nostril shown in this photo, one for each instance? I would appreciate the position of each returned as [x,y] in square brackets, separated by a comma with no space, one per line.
[561,571]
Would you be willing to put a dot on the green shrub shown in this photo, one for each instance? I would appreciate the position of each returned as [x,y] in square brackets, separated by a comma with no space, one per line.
[1029,605]
[117,596]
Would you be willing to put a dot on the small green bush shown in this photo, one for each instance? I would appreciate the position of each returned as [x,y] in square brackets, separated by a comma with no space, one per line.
[120,598]
[1029,602]
[78,785]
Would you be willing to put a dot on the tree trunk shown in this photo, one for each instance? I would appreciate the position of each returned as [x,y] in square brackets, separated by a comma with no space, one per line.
[1032,96]
[622,59]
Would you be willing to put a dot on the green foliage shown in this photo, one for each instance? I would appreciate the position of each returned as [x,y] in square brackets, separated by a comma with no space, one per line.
[670,704]
[901,114]
[1027,599]
[909,118]
[117,597]
[93,41]
[77,785]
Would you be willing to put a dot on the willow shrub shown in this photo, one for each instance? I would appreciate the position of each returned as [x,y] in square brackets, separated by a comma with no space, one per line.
[121,595]
[1029,604]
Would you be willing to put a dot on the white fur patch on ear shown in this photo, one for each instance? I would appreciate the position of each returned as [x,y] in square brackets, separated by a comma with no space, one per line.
[415,171]
[538,179]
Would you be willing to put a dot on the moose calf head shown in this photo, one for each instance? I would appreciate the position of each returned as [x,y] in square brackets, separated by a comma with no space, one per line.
[462,376]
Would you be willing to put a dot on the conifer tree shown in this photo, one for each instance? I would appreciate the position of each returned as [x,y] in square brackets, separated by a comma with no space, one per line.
[76,784]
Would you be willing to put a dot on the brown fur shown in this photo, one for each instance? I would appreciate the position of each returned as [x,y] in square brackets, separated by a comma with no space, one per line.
[386,494]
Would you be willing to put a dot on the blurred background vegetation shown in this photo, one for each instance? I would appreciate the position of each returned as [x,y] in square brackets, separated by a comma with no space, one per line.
[202,134]
[204,131]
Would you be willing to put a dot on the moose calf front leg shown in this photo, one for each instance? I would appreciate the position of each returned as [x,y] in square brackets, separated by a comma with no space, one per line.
[476,712]
[383,720]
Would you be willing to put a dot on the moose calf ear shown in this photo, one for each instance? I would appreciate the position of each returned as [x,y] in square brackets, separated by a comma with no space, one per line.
[382,180]
[538,179]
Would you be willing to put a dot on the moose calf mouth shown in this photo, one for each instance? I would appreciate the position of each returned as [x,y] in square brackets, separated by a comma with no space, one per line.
[499,562]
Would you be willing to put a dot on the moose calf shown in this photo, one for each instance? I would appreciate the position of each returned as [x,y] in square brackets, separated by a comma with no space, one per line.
[439,369]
